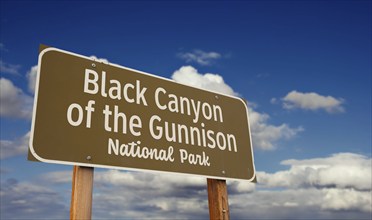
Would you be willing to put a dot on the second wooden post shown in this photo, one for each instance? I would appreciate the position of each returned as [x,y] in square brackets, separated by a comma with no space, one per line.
[82,192]
[217,199]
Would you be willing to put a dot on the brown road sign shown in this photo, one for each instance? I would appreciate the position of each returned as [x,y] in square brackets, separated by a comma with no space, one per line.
[91,113]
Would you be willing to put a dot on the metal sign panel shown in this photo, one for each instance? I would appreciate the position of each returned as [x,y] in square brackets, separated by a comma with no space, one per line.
[91,113]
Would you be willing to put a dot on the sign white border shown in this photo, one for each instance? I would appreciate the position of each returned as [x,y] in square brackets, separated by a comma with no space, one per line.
[44,51]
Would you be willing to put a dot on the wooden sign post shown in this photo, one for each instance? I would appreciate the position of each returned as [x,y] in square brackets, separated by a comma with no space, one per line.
[82,191]
[217,199]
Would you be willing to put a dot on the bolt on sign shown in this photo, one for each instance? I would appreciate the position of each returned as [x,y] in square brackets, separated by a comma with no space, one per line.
[92,113]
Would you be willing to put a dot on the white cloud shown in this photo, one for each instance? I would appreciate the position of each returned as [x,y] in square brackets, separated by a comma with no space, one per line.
[15,147]
[312,101]
[273,101]
[31,76]
[163,182]
[309,203]
[9,68]
[134,179]
[14,103]
[238,187]
[57,177]
[200,57]
[149,195]
[29,200]
[313,188]
[141,195]
[283,194]
[342,170]
[346,199]
[264,135]
[188,75]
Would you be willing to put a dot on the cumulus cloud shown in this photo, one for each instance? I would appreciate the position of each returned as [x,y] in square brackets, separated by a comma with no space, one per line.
[14,103]
[313,188]
[264,135]
[28,200]
[9,68]
[150,195]
[57,177]
[31,76]
[239,187]
[312,101]
[200,57]
[309,203]
[131,179]
[116,177]
[188,75]
[147,195]
[164,182]
[346,199]
[15,147]
[319,193]
[144,195]
[341,170]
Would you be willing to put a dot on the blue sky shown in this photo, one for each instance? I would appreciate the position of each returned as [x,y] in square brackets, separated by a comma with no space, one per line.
[303,66]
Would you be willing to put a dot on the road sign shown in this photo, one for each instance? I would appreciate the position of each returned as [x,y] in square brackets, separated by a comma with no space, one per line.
[92,113]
